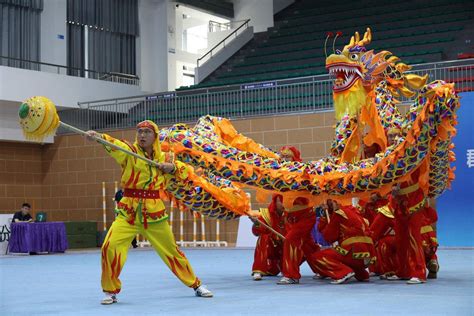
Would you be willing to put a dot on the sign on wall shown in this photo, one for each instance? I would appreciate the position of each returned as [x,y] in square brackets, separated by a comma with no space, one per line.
[456,206]
[5,222]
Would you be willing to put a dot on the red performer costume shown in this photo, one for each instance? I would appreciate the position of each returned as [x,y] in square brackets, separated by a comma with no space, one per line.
[355,250]
[429,241]
[369,209]
[269,248]
[298,240]
[383,235]
[406,202]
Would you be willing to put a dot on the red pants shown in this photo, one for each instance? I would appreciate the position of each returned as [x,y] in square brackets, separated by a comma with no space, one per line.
[430,246]
[331,263]
[410,256]
[386,251]
[267,257]
[298,243]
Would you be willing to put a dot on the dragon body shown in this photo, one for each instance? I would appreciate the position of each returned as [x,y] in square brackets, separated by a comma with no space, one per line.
[366,90]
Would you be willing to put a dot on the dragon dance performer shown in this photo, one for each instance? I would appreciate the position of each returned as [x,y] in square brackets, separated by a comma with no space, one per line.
[369,209]
[429,241]
[355,250]
[299,242]
[142,211]
[383,234]
[269,249]
[406,202]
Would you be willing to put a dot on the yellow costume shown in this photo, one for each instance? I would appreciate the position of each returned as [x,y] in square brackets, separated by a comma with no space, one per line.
[142,211]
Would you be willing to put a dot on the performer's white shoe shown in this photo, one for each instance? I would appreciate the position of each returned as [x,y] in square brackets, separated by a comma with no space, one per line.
[257,276]
[415,281]
[393,278]
[318,276]
[343,279]
[109,299]
[202,291]
[286,281]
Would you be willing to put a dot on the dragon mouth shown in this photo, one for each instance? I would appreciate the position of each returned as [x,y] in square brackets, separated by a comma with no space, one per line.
[346,75]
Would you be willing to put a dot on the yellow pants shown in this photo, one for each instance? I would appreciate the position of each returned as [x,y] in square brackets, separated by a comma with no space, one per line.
[117,243]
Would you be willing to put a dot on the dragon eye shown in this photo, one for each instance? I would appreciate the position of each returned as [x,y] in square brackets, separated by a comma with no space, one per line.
[354,57]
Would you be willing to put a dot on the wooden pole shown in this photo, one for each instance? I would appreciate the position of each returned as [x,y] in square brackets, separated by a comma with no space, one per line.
[268,227]
[203,229]
[107,143]
[104,208]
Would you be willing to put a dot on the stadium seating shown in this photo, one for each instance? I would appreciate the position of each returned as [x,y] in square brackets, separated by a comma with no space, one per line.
[417,32]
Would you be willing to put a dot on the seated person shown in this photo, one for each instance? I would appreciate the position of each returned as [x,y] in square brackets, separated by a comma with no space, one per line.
[23,215]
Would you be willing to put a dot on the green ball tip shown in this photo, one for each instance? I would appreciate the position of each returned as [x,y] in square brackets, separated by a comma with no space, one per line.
[24,109]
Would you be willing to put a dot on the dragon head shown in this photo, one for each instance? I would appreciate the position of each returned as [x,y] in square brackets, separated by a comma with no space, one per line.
[357,71]
[355,64]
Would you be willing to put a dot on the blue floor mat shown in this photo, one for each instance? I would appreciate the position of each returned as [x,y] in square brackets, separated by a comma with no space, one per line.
[69,284]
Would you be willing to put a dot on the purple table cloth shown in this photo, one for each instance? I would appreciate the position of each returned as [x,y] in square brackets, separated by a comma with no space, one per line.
[38,237]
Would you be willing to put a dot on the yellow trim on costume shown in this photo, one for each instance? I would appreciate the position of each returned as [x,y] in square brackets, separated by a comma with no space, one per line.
[386,211]
[341,212]
[356,239]
[416,207]
[409,189]
[265,212]
[426,229]
[341,250]
[361,255]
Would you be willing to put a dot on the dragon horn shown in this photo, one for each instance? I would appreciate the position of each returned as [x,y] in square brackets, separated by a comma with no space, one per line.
[351,43]
[367,38]
[357,38]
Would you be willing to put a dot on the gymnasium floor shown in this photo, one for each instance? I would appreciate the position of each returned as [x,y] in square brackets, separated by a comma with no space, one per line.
[69,284]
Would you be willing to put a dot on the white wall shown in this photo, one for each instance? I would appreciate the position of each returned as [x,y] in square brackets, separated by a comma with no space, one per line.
[215,37]
[17,85]
[260,13]
[152,46]
[173,46]
[211,64]
[53,23]
[20,84]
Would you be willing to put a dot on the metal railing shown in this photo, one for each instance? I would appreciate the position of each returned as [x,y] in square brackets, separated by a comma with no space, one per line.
[297,95]
[222,43]
[215,26]
[69,71]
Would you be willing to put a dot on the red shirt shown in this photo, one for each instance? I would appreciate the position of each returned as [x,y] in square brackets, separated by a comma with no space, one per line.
[348,227]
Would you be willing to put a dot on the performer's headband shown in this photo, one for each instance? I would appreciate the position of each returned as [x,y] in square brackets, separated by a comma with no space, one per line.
[146,124]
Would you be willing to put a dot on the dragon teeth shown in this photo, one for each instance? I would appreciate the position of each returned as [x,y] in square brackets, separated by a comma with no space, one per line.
[346,70]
